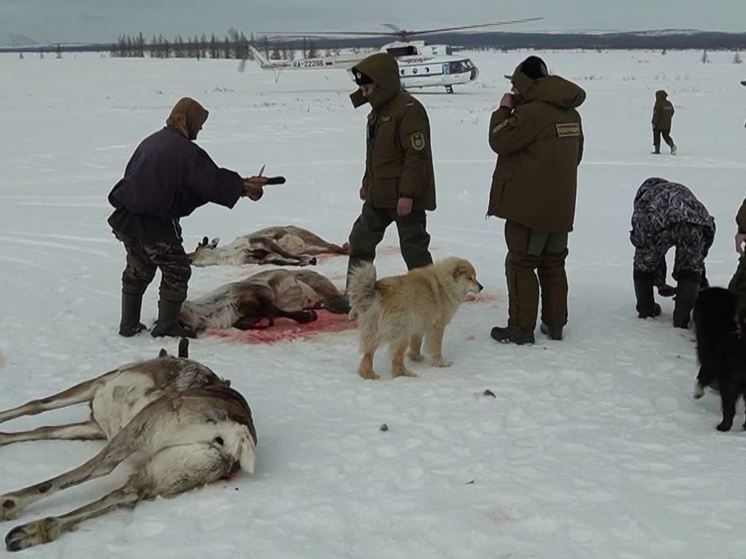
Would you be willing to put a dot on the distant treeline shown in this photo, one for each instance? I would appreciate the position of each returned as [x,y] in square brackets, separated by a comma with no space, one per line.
[235,44]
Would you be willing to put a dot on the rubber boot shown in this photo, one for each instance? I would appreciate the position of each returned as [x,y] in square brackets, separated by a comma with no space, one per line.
[130,323]
[168,321]
[646,305]
[686,292]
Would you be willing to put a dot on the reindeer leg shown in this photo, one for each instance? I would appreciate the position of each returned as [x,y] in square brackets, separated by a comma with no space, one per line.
[51,528]
[82,392]
[302,317]
[120,447]
[85,431]
[287,258]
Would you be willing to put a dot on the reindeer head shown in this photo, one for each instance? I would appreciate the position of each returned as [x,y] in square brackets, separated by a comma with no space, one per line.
[203,250]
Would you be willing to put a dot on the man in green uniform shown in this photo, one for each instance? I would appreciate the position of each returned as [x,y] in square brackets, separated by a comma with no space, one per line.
[662,116]
[398,184]
[738,283]
[537,135]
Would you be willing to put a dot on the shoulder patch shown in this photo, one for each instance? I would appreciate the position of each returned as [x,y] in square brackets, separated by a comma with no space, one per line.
[567,129]
[418,141]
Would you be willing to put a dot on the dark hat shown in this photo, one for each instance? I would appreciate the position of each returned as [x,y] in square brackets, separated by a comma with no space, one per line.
[360,78]
[534,68]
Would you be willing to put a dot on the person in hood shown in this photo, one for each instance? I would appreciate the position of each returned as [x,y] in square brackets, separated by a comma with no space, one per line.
[662,116]
[398,185]
[667,214]
[167,178]
[537,135]
[737,283]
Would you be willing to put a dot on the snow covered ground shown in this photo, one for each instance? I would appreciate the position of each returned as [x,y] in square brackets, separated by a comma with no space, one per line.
[591,448]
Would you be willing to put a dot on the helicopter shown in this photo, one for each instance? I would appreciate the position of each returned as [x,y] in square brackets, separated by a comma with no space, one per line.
[420,65]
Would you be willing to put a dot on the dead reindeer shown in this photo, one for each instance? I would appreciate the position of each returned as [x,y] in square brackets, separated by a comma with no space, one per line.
[285,246]
[175,422]
[257,300]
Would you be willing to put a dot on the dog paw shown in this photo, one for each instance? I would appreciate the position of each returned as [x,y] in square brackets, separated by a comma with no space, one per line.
[369,374]
[415,356]
[33,533]
[440,362]
[10,507]
[403,372]
[724,426]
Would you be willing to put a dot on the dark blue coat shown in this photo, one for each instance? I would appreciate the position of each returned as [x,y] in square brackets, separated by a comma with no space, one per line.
[167,178]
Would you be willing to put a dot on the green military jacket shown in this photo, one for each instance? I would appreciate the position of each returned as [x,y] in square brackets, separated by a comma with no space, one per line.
[662,111]
[741,218]
[539,145]
[399,161]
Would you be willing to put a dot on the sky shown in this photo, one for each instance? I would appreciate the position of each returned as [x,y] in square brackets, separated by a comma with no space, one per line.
[105,20]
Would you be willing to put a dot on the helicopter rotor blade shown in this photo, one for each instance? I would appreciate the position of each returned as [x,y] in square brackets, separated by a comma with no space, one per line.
[477,26]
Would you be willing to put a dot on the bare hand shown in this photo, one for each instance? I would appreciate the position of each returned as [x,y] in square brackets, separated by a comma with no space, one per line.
[253,187]
[508,100]
[404,207]
[740,239]
[361,193]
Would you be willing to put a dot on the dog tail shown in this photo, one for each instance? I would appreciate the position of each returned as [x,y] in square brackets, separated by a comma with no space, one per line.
[362,288]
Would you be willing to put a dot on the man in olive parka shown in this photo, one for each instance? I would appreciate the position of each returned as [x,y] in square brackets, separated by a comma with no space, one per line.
[537,135]
[399,183]
[662,118]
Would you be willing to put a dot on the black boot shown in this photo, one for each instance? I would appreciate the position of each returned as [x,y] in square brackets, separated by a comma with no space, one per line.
[552,332]
[168,321]
[646,305]
[512,335]
[686,292]
[130,323]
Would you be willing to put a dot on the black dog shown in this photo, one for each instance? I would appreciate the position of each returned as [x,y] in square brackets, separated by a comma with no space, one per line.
[721,349]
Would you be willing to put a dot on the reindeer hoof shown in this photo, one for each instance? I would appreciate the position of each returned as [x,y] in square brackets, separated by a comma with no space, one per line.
[9,508]
[31,534]
[307,316]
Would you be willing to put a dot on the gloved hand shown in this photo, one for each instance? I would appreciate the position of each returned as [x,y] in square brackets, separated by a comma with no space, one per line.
[666,290]
[404,207]
[253,187]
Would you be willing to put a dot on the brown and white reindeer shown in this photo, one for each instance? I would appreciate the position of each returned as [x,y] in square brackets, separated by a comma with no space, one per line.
[257,300]
[286,245]
[176,423]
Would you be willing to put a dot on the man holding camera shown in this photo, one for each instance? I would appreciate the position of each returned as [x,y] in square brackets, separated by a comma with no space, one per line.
[537,135]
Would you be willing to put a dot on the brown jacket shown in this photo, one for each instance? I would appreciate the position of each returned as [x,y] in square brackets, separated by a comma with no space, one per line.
[741,218]
[662,111]
[399,161]
[539,146]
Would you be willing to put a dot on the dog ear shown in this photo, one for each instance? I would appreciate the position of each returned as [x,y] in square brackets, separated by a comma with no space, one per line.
[203,242]
[162,353]
[213,243]
[460,270]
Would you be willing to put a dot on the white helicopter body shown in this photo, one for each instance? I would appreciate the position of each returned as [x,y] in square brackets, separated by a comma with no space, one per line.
[420,65]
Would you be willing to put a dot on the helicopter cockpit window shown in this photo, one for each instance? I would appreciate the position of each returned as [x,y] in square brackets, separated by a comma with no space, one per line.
[458,66]
[409,50]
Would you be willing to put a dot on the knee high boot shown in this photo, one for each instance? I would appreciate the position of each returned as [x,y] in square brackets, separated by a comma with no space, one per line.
[130,324]
[686,292]
[168,321]
[646,305]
